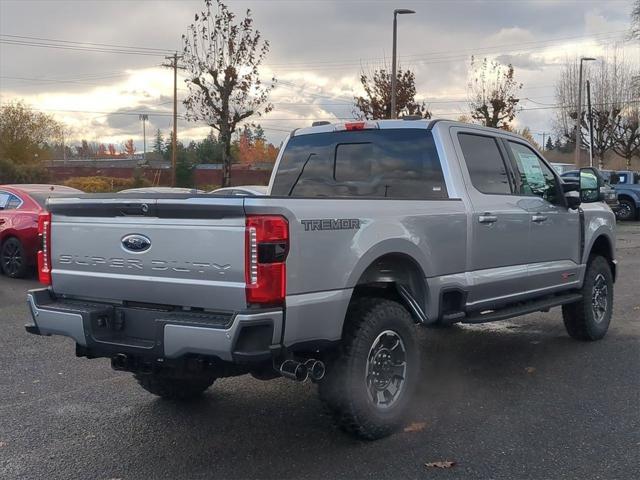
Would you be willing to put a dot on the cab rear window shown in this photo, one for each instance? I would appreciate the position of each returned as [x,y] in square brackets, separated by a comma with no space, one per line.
[387,163]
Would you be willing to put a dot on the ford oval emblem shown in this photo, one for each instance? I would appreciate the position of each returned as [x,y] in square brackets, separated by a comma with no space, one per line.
[136,243]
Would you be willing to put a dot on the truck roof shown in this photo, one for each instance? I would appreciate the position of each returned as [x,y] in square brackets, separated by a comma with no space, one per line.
[409,122]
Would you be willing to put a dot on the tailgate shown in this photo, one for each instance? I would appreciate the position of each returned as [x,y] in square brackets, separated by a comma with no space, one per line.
[174,250]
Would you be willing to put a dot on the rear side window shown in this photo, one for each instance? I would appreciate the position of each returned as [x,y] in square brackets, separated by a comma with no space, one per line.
[484,161]
[387,163]
[14,202]
[9,201]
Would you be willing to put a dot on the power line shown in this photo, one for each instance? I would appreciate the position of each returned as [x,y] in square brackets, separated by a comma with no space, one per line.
[52,81]
[134,113]
[78,48]
[163,51]
[447,52]
[449,55]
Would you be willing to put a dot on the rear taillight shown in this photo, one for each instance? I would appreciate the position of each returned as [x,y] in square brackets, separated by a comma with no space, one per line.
[267,246]
[44,254]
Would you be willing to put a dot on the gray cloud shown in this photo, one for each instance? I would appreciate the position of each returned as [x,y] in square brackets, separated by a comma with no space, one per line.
[332,39]
[522,60]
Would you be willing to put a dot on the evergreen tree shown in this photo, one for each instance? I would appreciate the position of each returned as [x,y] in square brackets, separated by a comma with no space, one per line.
[209,150]
[168,147]
[158,143]
[258,133]
[549,145]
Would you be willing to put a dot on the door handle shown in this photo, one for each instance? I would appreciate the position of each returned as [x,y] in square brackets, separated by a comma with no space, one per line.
[539,218]
[487,218]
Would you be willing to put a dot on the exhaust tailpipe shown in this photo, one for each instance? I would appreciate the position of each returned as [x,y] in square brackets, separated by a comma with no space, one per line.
[316,369]
[294,370]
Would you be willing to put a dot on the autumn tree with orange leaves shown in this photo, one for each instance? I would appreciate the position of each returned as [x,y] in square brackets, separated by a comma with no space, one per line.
[128,148]
[252,147]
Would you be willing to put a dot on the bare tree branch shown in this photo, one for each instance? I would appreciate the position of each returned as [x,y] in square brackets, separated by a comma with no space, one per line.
[222,56]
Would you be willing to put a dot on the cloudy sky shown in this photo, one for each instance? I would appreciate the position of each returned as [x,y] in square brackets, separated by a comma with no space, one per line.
[318,49]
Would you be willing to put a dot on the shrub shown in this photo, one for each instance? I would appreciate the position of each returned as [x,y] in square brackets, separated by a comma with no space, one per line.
[105,184]
[12,173]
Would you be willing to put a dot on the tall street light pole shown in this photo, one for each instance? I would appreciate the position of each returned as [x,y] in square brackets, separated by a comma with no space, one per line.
[579,111]
[590,117]
[144,117]
[399,11]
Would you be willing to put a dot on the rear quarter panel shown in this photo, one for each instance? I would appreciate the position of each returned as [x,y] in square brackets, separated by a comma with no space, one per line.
[433,233]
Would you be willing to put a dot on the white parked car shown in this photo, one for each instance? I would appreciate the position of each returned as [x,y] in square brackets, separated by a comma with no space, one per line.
[161,190]
[242,191]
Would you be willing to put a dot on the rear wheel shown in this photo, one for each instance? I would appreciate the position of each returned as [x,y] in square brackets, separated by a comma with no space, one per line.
[589,318]
[369,384]
[12,259]
[174,388]
[626,210]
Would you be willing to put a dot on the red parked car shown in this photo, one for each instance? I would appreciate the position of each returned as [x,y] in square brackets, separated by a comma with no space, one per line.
[20,206]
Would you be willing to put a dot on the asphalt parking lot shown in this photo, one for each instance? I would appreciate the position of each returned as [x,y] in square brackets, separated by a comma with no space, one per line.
[516,399]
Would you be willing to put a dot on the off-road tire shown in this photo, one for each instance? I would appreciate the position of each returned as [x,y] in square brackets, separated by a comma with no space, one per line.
[12,247]
[627,210]
[174,388]
[343,390]
[579,317]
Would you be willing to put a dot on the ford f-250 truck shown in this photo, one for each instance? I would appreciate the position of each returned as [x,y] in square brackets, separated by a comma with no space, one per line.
[370,229]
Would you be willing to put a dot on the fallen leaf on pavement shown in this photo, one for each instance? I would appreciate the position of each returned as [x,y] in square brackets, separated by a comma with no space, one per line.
[636,307]
[415,427]
[530,369]
[3,444]
[440,464]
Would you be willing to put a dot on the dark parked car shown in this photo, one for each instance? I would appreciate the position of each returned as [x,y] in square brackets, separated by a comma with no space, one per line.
[20,206]
[628,190]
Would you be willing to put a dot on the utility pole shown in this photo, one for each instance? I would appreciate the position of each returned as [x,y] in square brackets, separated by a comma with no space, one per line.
[144,117]
[399,11]
[579,112]
[64,149]
[543,144]
[174,140]
[590,117]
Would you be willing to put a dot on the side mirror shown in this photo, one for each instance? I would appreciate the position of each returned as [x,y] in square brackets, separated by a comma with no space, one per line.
[614,179]
[573,198]
[590,183]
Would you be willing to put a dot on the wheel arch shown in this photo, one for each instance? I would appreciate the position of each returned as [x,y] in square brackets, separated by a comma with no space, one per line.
[386,273]
[602,245]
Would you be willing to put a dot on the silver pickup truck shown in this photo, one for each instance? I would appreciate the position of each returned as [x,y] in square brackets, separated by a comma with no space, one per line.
[369,231]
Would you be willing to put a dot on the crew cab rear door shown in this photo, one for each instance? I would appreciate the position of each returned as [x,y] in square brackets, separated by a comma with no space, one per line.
[497,255]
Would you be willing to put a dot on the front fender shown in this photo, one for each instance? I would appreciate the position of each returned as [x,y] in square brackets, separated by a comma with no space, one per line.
[599,223]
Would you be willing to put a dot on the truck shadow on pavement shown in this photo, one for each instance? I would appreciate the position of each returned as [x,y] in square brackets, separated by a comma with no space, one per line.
[466,371]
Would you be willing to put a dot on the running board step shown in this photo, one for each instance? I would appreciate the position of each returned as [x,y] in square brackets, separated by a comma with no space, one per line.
[522,309]
[451,318]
